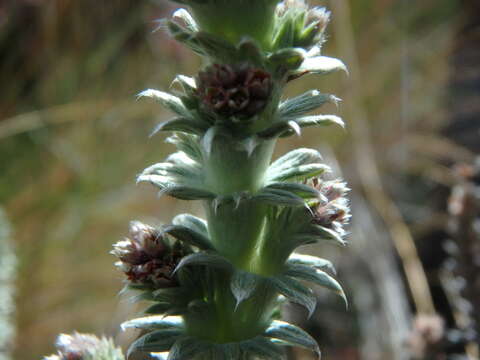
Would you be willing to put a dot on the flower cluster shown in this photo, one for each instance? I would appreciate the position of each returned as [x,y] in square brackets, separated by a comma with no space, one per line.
[332,210]
[147,258]
[241,91]
[85,347]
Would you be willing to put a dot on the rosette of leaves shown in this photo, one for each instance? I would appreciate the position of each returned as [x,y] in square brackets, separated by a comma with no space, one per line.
[238,266]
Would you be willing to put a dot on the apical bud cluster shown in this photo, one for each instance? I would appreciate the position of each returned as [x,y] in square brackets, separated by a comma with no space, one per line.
[240,91]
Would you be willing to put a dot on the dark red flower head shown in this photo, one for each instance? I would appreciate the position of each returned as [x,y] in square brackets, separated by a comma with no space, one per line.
[240,91]
[146,257]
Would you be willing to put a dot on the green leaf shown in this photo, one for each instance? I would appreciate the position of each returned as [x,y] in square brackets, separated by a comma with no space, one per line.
[178,167]
[208,138]
[185,348]
[192,222]
[321,65]
[295,292]
[323,233]
[297,173]
[286,59]
[187,19]
[292,335]
[187,83]
[315,276]
[173,296]
[212,260]
[215,47]
[156,341]
[278,197]
[262,348]
[170,101]
[285,35]
[189,144]
[302,104]
[187,192]
[295,158]
[243,284]
[301,190]
[182,124]
[231,351]
[320,120]
[184,35]
[249,50]
[189,236]
[154,323]
[308,260]
[158,308]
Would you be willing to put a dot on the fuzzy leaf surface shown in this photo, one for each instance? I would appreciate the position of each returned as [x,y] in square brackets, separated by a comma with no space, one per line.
[189,236]
[192,222]
[315,276]
[182,124]
[295,292]
[212,260]
[186,348]
[321,65]
[292,335]
[263,348]
[156,341]
[170,101]
[278,197]
[154,323]
[308,260]
[302,104]
[243,284]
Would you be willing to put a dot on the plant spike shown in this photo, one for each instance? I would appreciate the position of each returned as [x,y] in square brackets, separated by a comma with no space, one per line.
[215,285]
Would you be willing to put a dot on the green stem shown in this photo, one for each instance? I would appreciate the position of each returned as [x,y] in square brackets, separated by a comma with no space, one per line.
[236,19]
[231,323]
[236,229]
[235,225]
[230,169]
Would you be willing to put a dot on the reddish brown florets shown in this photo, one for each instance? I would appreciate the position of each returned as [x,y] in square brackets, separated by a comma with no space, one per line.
[331,210]
[147,258]
[239,91]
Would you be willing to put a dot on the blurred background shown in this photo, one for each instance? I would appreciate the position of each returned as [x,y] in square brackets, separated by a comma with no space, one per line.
[73,138]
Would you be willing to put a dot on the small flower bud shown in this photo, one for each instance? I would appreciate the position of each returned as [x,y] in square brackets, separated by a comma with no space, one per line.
[146,257]
[308,25]
[316,22]
[239,91]
[331,210]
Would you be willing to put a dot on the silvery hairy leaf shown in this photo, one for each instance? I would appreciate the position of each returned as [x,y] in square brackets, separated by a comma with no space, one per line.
[295,292]
[315,276]
[170,101]
[154,323]
[203,258]
[302,104]
[189,236]
[192,222]
[309,260]
[155,341]
[292,335]
[243,284]
[320,65]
